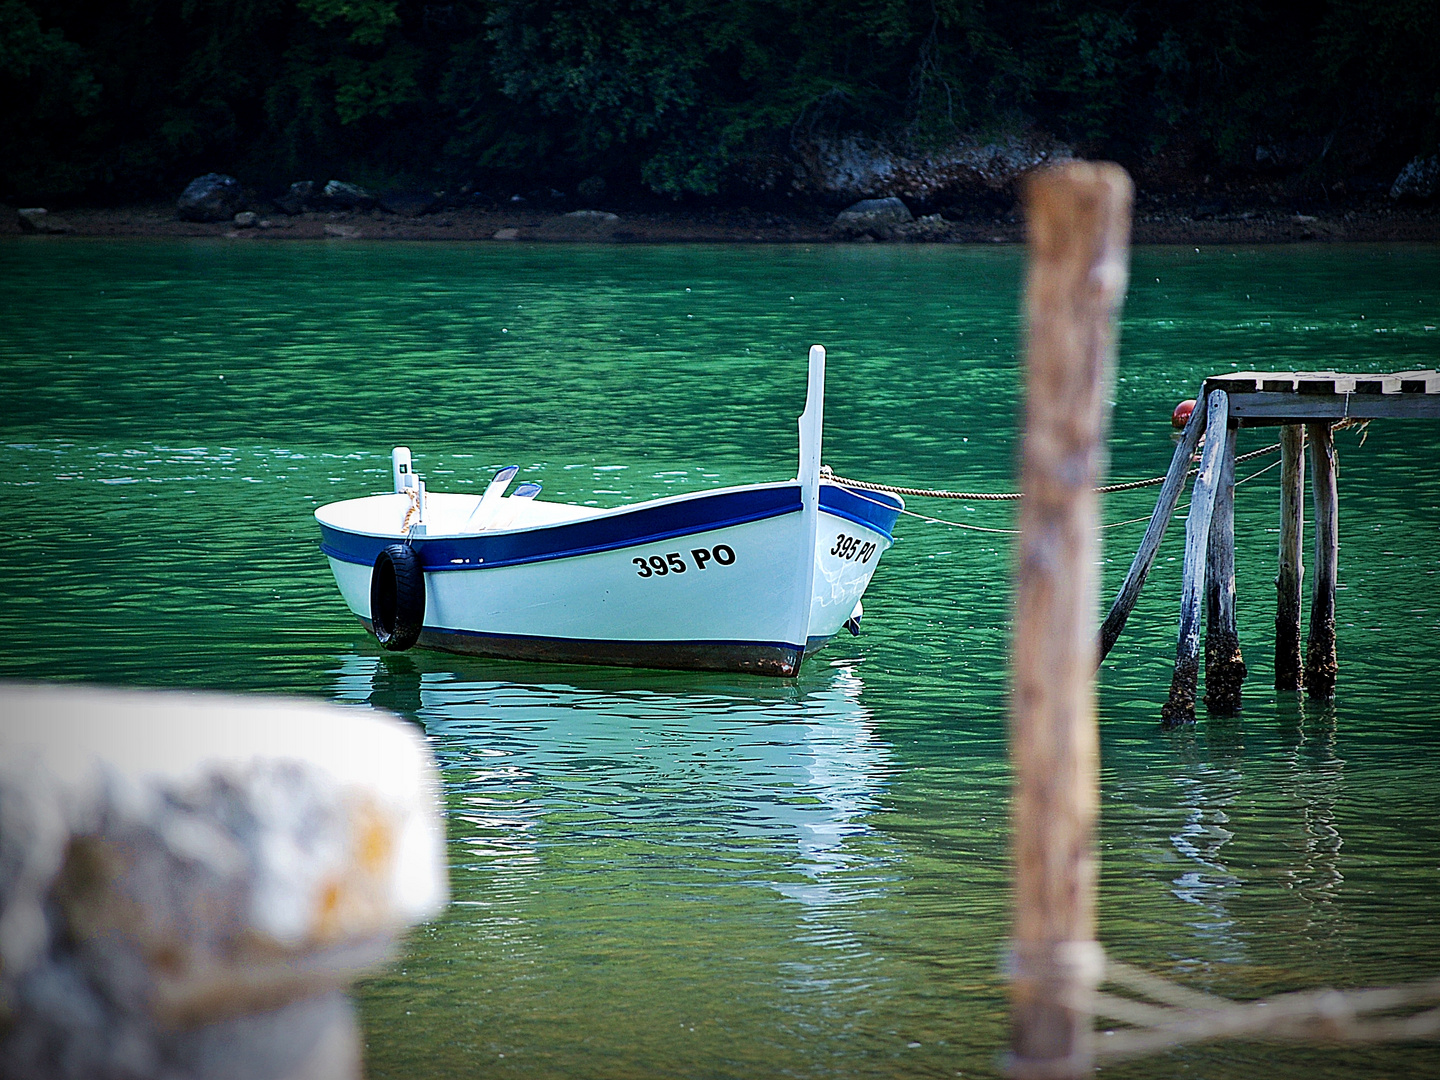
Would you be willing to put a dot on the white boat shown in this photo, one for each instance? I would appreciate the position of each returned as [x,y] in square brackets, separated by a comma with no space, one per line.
[751,578]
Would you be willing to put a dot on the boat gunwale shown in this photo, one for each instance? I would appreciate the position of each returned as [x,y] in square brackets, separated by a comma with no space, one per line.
[447,558]
[605,512]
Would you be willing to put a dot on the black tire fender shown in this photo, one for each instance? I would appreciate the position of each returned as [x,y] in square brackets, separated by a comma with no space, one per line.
[397,597]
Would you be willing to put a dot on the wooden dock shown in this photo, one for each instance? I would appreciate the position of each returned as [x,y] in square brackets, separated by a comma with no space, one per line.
[1307,405]
[1259,398]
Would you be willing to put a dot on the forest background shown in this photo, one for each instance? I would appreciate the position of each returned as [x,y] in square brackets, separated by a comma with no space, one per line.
[701,100]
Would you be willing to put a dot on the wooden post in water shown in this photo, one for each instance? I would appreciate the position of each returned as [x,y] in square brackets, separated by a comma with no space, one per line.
[1288,672]
[1320,662]
[1224,665]
[1154,533]
[1180,708]
[1078,216]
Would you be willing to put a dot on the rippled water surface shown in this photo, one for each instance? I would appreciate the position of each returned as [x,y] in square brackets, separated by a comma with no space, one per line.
[670,874]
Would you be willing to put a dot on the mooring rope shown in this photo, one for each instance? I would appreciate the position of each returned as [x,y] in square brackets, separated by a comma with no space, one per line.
[992,496]
[931,520]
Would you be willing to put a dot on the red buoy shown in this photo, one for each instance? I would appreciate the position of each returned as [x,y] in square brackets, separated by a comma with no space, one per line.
[1181,416]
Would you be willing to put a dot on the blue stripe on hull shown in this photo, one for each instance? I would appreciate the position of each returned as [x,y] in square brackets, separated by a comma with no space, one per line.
[752,657]
[872,509]
[644,525]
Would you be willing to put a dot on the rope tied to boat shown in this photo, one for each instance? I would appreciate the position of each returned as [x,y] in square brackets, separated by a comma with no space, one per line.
[932,520]
[412,512]
[993,496]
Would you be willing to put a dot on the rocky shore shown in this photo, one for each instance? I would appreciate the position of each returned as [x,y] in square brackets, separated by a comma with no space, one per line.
[1157,221]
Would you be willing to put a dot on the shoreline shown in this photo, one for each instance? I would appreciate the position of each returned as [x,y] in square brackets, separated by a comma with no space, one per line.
[1403,224]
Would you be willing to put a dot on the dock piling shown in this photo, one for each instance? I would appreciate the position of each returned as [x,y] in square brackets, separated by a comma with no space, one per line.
[1306,405]
[1289,674]
[1154,532]
[1180,708]
[1321,665]
[1224,664]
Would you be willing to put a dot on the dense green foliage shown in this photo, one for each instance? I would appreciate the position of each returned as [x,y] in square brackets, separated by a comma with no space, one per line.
[134,97]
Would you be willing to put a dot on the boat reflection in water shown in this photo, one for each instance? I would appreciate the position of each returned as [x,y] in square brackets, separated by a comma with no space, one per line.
[772,779]
[640,855]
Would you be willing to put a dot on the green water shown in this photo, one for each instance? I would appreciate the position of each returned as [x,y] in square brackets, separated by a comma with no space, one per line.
[667,874]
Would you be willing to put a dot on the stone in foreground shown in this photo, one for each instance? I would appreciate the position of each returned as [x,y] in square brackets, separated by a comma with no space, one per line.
[189,882]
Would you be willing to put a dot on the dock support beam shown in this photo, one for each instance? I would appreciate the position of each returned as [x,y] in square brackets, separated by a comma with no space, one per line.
[1078,218]
[1288,672]
[1180,708]
[1320,662]
[1154,533]
[1224,664]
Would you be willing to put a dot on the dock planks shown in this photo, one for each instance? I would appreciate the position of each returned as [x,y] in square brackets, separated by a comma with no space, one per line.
[1260,398]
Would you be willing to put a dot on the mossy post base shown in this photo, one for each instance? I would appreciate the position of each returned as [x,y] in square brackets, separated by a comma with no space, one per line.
[1321,666]
[1224,664]
[1289,674]
[1180,708]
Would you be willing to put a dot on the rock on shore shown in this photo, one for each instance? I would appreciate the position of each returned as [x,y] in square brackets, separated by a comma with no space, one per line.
[36,219]
[347,196]
[306,195]
[212,197]
[1419,180]
[858,168]
[876,218]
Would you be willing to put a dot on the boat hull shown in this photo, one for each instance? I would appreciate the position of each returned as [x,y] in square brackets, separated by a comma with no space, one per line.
[711,581]
[748,657]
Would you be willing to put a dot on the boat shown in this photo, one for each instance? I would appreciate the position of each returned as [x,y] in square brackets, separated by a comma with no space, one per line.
[752,578]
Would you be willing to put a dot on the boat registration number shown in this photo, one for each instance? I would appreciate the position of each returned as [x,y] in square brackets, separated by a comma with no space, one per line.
[850,548]
[674,562]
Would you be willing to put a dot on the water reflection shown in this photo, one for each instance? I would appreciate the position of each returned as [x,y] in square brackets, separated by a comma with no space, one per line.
[1314,781]
[1208,786]
[1241,823]
[648,848]
[1244,826]
[538,755]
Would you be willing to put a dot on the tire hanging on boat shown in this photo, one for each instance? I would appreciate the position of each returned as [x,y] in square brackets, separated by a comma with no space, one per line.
[397,597]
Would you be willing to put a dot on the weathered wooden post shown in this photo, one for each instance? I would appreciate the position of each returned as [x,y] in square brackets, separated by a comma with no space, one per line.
[1288,673]
[1154,533]
[1079,224]
[1320,662]
[1180,708]
[1224,664]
